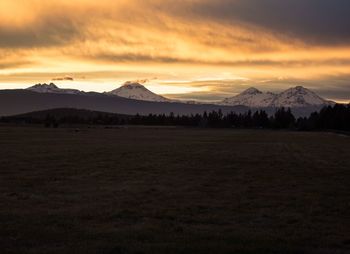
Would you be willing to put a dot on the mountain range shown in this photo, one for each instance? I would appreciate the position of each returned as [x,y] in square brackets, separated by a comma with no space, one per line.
[133,97]
[295,97]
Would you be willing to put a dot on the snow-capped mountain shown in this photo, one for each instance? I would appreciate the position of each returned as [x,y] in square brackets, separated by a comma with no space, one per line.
[296,97]
[52,88]
[299,97]
[136,91]
[251,97]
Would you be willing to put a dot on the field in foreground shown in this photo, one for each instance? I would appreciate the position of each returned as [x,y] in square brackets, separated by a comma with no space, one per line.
[173,191]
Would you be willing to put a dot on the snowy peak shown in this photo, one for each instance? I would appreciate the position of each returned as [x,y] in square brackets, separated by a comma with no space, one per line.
[295,97]
[251,97]
[52,88]
[136,91]
[132,86]
[44,88]
[298,97]
[251,91]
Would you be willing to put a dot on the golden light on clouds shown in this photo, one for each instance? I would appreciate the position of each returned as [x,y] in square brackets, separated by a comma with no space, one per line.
[193,44]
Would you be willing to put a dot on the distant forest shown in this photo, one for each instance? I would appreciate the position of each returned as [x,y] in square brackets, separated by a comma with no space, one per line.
[329,118]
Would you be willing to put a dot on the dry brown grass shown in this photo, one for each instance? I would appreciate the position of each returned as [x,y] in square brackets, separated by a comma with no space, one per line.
[173,191]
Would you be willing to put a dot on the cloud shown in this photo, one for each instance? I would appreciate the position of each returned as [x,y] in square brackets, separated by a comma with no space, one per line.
[138,81]
[67,78]
[316,21]
[303,61]
[14,64]
[35,23]
[177,40]
[47,31]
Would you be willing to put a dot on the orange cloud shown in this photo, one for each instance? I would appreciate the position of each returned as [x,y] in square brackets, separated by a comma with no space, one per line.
[169,39]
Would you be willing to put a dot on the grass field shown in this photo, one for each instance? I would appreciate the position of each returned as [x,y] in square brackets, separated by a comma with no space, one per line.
[149,190]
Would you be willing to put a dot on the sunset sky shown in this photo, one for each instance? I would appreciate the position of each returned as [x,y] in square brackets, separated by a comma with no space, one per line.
[190,49]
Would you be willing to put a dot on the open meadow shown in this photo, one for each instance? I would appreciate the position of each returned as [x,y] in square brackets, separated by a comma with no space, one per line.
[173,190]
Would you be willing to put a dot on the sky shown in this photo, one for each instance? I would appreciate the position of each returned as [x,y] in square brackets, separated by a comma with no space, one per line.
[189,49]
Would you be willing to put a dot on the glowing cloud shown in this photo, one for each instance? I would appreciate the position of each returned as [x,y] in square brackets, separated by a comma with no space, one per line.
[108,42]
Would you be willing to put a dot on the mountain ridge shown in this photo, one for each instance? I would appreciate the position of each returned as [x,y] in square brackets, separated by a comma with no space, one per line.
[295,97]
[52,88]
[48,96]
[20,101]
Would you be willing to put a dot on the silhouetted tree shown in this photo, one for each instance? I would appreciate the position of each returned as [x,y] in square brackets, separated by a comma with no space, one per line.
[283,119]
[335,117]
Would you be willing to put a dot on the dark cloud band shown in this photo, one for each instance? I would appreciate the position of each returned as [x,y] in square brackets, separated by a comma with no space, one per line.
[316,21]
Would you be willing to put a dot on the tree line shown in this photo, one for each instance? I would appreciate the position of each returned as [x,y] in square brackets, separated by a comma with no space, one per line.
[329,118]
